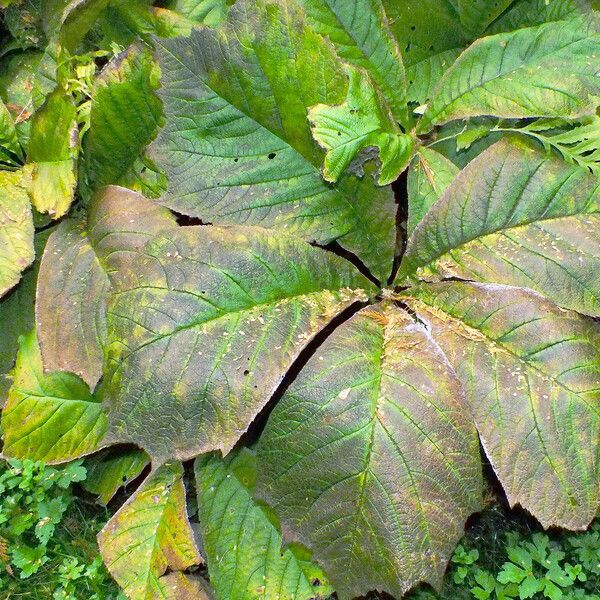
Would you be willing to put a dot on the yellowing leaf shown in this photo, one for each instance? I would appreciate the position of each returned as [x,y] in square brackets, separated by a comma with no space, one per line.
[53,147]
[16,229]
[150,534]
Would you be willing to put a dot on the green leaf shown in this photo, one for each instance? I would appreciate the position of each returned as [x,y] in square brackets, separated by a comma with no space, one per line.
[476,15]
[181,586]
[530,371]
[51,417]
[237,146]
[124,119]
[243,547]
[16,229]
[515,216]
[360,32]
[370,458]
[51,153]
[232,308]
[510,573]
[430,37]
[150,534]
[362,121]
[17,315]
[578,145]
[112,469]
[73,284]
[544,71]
[527,13]
[208,12]
[429,176]
[10,148]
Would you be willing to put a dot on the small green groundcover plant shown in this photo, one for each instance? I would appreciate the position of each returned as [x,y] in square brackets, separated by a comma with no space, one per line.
[45,547]
[325,249]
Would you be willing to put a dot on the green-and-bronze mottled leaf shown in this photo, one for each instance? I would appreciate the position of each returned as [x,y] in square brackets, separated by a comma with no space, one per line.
[71,304]
[243,547]
[53,417]
[112,469]
[531,372]
[430,37]
[51,152]
[17,316]
[203,324]
[16,229]
[124,119]
[362,121]
[361,34]
[371,458]
[150,534]
[429,176]
[237,146]
[73,284]
[545,71]
[515,216]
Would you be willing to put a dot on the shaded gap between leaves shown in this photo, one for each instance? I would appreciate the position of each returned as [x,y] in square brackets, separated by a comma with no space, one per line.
[400,189]
[258,424]
[335,248]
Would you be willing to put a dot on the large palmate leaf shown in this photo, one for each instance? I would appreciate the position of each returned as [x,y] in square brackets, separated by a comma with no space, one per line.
[516,216]
[16,229]
[243,546]
[361,35]
[232,308]
[150,534]
[123,120]
[50,417]
[237,146]
[73,284]
[112,469]
[544,71]
[371,459]
[532,376]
